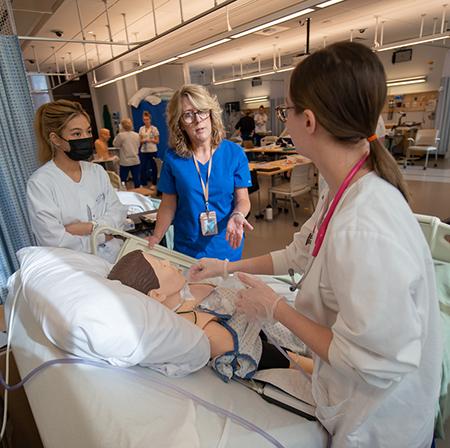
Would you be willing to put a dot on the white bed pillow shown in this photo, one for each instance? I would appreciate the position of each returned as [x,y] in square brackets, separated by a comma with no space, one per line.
[84,313]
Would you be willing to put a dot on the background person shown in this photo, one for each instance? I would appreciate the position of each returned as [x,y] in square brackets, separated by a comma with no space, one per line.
[246,126]
[203,181]
[149,135]
[67,196]
[260,125]
[367,306]
[128,143]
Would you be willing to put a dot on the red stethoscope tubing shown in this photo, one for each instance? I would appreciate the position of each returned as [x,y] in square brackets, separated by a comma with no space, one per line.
[324,226]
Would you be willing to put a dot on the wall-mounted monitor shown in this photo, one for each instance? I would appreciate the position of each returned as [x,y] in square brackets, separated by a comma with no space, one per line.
[403,55]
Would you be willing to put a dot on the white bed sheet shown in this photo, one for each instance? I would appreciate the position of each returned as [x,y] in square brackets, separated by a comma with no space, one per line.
[83,406]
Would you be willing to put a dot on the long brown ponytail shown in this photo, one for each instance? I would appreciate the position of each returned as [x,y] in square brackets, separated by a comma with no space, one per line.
[344,85]
[53,117]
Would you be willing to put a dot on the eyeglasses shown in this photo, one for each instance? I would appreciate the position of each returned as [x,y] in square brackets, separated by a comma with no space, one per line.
[189,116]
[282,113]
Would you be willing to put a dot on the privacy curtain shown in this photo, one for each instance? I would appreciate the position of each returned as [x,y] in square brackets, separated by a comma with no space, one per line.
[17,156]
[443,116]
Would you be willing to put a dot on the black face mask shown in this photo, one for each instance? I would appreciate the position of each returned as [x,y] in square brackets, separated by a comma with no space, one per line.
[80,148]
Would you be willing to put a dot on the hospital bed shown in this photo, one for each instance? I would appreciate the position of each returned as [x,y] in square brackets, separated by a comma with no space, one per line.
[80,405]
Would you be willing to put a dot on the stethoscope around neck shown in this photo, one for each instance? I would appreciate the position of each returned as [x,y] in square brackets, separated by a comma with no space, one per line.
[324,225]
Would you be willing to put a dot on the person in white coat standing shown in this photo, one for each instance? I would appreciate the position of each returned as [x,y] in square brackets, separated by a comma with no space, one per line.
[367,304]
[68,197]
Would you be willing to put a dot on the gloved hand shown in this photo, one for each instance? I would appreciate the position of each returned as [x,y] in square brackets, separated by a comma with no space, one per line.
[207,268]
[235,229]
[258,301]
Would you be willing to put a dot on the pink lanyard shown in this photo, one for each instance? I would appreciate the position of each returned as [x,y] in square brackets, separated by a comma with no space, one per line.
[324,226]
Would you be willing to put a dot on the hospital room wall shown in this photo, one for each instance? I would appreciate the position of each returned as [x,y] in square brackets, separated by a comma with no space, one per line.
[116,95]
[275,87]
[426,60]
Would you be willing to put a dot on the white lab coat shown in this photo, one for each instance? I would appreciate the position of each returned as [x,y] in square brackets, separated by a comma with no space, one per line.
[55,200]
[373,284]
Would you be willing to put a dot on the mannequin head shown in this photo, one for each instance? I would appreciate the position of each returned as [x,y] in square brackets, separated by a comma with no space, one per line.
[104,134]
[150,275]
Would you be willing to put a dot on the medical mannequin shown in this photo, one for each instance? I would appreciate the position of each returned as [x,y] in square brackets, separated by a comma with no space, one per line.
[101,144]
[367,305]
[163,282]
[68,196]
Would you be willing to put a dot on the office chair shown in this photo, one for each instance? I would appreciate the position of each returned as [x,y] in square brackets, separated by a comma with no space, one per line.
[301,182]
[425,142]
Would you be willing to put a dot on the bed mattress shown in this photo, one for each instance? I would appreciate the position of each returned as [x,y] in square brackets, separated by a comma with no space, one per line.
[79,405]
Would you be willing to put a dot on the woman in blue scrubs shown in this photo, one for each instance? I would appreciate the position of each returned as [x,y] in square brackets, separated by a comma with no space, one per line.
[204,180]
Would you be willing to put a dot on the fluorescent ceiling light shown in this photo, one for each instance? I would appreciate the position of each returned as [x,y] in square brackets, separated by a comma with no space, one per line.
[273,22]
[134,72]
[253,75]
[226,81]
[143,69]
[257,75]
[213,44]
[329,3]
[406,81]
[256,99]
[411,42]
[286,69]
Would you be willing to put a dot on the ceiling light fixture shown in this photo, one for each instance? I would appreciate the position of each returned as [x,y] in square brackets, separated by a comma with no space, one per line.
[273,22]
[133,72]
[411,42]
[253,75]
[205,47]
[256,99]
[406,81]
[329,3]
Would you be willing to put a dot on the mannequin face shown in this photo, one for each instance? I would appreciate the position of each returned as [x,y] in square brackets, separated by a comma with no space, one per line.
[105,135]
[170,278]
[78,127]
[199,131]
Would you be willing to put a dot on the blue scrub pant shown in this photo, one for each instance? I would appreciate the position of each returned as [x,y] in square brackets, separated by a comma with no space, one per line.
[148,164]
[135,173]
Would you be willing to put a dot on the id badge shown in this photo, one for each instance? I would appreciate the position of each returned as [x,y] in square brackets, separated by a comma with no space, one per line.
[208,223]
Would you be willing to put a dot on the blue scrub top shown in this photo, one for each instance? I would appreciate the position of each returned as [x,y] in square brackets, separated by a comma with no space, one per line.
[179,176]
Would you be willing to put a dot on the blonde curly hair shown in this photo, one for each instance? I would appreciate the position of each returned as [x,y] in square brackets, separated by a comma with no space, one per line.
[201,99]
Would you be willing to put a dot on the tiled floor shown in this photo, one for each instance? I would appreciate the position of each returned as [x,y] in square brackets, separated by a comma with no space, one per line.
[430,192]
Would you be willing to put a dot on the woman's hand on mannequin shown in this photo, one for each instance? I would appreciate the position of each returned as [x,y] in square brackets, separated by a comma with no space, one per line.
[258,301]
[207,268]
[235,230]
[79,228]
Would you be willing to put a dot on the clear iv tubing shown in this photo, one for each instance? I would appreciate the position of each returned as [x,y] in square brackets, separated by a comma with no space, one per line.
[212,407]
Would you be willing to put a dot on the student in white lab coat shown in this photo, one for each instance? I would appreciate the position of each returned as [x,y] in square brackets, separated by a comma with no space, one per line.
[68,196]
[367,306]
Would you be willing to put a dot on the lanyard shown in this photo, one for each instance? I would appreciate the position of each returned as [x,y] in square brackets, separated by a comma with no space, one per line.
[205,188]
[324,226]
